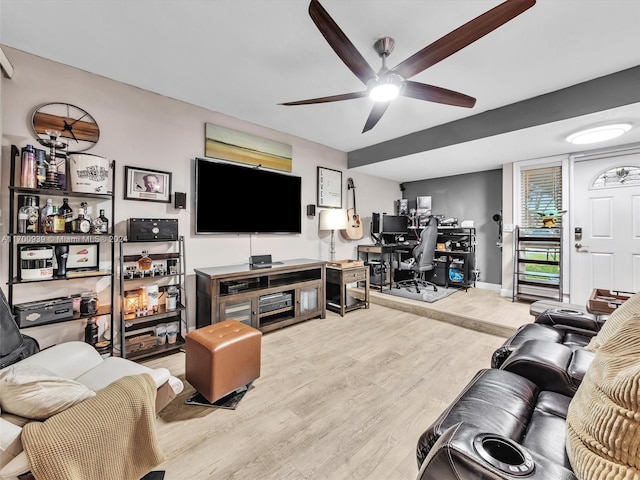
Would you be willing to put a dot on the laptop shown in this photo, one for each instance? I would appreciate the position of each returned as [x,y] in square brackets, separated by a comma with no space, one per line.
[262,261]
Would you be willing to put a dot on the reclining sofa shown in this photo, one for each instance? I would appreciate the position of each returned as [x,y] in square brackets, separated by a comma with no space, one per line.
[538,417]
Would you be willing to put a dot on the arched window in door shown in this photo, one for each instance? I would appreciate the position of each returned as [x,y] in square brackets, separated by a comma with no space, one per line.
[618,177]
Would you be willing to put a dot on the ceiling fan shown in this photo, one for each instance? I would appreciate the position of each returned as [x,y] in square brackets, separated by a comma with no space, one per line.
[387,84]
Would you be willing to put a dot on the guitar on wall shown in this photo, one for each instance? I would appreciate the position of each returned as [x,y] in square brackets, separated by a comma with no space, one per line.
[354,230]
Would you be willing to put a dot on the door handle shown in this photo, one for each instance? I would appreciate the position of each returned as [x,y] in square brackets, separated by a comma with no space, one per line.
[579,246]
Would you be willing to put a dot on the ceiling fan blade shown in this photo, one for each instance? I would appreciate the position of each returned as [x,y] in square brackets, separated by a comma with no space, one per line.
[431,93]
[376,114]
[340,43]
[332,98]
[462,36]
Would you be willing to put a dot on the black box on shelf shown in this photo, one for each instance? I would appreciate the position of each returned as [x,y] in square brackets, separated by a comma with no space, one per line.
[152,229]
[42,312]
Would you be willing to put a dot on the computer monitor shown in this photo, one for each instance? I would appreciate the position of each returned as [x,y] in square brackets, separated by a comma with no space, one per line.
[396,224]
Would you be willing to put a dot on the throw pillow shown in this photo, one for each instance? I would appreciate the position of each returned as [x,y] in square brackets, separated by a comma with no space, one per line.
[603,421]
[34,392]
[616,320]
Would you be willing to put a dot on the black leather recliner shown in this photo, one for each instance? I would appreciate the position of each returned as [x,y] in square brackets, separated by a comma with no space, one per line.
[501,426]
[566,327]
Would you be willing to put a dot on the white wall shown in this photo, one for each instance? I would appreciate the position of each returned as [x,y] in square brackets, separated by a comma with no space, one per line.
[143,129]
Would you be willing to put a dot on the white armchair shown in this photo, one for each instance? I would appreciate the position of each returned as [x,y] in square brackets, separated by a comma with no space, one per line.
[80,362]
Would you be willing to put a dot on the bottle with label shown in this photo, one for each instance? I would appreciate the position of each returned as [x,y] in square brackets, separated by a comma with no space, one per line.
[29,176]
[144,262]
[80,223]
[28,217]
[45,212]
[59,223]
[86,212]
[41,167]
[66,211]
[91,331]
[100,224]
[51,179]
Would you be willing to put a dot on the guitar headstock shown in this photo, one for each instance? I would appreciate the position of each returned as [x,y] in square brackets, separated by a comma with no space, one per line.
[350,184]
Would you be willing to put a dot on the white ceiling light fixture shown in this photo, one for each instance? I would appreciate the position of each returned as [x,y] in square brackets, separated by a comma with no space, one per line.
[385,89]
[598,134]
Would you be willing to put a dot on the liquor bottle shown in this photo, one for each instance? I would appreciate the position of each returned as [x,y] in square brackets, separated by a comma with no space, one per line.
[51,179]
[91,331]
[80,223]
[100,224]
[58,221]
[29,174]
[45,226]
[144,262]
[86,212]
[66,211]
[28,217]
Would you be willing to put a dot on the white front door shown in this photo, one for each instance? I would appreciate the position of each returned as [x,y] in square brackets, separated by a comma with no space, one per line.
[608,254]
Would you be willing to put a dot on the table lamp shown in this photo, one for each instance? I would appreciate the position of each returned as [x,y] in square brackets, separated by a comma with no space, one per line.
[333,219]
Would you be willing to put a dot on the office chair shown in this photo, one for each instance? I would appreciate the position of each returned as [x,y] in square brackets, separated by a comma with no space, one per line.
[422,258]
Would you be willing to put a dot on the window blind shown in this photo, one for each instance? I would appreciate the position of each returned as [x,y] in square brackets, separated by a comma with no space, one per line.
[541,191]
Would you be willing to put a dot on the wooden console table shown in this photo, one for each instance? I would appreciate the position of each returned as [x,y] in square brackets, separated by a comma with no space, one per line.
[265,298]
[338,277]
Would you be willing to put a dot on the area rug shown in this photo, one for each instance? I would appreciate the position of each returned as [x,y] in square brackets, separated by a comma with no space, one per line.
[230,402]
[426,293]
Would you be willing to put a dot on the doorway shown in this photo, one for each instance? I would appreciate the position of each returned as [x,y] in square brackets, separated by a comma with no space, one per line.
[604,246]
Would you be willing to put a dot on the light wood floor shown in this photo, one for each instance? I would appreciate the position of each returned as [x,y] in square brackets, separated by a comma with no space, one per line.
[339,398]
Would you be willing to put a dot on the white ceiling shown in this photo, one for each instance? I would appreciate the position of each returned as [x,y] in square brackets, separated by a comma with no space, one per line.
[243,57]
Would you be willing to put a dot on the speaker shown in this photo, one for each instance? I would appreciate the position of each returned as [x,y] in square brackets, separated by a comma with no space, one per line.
[152,229]
[311,210]
[180,200]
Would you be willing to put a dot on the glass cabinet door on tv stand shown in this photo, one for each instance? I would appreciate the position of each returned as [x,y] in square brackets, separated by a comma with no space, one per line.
[153,310]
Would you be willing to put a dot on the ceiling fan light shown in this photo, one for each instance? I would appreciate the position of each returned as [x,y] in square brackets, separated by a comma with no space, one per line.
[384,92]
[598,134]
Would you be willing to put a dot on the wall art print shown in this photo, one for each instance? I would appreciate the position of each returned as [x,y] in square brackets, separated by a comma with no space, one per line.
[227,144]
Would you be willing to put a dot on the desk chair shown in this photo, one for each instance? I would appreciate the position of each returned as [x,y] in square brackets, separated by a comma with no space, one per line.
[422,258]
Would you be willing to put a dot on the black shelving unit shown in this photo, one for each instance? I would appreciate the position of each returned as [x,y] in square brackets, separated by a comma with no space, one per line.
[537,264]
[17,240]
[458,257]
[138,338]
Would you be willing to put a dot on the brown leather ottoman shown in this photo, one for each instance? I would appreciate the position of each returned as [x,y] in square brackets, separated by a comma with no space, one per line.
[222,357]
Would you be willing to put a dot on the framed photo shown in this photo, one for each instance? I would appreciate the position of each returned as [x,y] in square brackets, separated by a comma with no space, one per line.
[146,184]
[83,256]
[329,188]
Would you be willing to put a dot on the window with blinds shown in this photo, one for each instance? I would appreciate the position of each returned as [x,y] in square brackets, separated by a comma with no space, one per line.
[541,191]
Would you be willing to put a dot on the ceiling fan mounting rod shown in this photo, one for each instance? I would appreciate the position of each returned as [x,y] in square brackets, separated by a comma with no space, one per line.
[384,46]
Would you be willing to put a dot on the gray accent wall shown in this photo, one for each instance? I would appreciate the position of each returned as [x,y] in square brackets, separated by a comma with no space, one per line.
[474,196]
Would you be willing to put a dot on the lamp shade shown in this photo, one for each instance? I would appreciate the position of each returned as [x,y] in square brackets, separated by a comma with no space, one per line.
[333,219]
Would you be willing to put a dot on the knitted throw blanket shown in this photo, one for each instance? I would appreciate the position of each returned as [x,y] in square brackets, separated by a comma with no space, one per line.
[603,421]
[109,436]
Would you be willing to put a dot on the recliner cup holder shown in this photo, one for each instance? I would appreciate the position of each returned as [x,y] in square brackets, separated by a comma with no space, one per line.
[503,454]
[569,312]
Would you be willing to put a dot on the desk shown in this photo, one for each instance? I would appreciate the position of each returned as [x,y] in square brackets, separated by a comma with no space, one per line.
[337,280]
[385,253]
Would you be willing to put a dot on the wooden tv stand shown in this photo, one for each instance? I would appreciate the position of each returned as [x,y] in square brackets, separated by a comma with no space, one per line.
[265,298]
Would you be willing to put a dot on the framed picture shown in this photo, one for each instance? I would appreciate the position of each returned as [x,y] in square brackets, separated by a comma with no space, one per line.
[83,256]
[329,188]
[146,184]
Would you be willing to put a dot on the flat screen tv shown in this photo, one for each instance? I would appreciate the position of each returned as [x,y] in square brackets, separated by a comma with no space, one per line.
[237,199]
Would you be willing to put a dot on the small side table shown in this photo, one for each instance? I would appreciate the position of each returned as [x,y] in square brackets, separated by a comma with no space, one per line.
[338,277]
